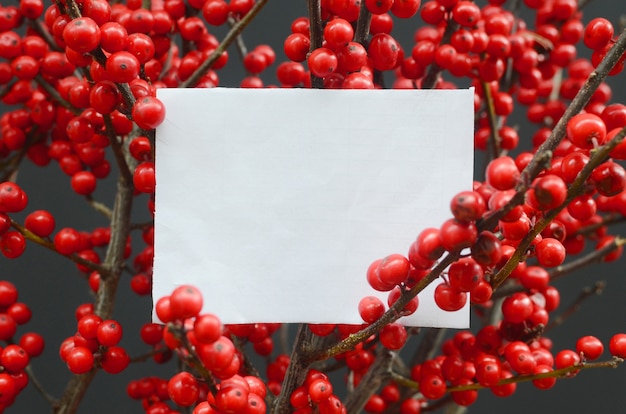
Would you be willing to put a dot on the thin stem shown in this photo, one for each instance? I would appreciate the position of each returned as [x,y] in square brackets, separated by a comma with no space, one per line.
[241,45]
[432,76]
[99,207]
[230,37]
[376,375]
[118,152]
[54,94]
[557,373]
[586,293]
[38,386]
[316,35]
[42,31]
[363,25]
[431,339]
[590,258]
[304,344]
[30,236]
[494,139]
[606,221]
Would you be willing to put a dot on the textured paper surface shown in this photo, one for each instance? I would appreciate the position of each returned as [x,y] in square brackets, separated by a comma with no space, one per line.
[274,202]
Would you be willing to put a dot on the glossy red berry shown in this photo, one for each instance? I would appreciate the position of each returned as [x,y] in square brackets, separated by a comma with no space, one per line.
[590,347]
[183,389]
[586,130]
[383,50]
[322,62]
[448,298]
[148,112]
[185,302]
[393,336]
[82,34]
[598,33]
[79,360]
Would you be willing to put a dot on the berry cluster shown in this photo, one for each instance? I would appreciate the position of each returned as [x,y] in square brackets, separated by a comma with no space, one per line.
[79,78]
[95,342]
[15,354]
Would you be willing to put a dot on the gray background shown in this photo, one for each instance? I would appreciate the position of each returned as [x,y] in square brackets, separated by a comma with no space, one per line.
[53,288]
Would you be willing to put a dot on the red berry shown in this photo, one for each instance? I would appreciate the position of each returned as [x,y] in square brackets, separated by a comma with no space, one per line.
[79,360]
[322,62]
[590,347]
[82,34]
[148,112]
[185,302]
[586,130]
[448,298]
[183,389]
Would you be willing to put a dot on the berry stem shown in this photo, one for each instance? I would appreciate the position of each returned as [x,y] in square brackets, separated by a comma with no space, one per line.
[558,373]
[363,25]
[590,258]
[377,374]
[316,35]
[431,339]
[494,140]
[38,386]
[230,37]
[41,30]
[585,294]
[118,152]
[54,94]
[242,50]
[99,207]
[432,76]
[606,221]
[304,344]
[28,235]
[190,358]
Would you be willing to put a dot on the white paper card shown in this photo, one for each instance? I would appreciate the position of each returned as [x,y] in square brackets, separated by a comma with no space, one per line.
[274,202]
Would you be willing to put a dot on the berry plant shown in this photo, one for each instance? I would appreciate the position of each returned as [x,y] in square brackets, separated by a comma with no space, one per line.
[78,81]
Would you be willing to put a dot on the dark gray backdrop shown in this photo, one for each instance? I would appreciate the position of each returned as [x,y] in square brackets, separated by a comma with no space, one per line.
[53,288]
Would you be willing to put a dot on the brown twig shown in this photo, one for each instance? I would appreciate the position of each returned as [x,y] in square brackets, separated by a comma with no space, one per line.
[30,236]
[606,221]
[230,37]
[38,385]
[241,45]
[590,258]
[494,139]
[118,152]
[316,35]
[432,75]
[363,25]
[42,31]
[377,374]
[557,373]
[586,293]
[54,94]
[304,344]
[99,207]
